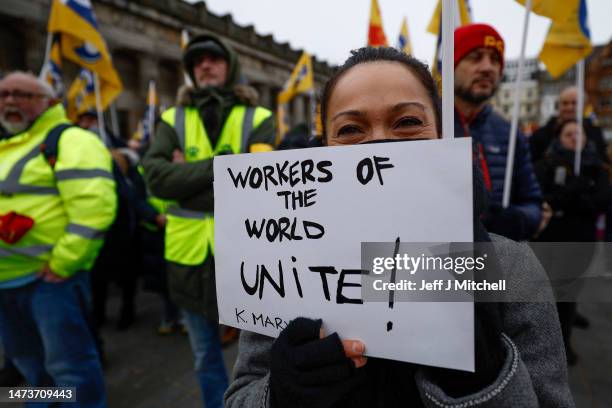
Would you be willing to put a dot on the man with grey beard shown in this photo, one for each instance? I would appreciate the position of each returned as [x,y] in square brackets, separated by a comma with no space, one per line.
[57,199]
[479,63]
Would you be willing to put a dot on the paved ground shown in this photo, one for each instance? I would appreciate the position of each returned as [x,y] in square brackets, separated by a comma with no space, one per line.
[591,378]
[150,371]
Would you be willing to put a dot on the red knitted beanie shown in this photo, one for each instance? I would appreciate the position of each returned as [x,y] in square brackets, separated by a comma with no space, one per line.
[472,36]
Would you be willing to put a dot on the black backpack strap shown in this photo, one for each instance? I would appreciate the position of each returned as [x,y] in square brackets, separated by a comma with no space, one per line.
[50,147]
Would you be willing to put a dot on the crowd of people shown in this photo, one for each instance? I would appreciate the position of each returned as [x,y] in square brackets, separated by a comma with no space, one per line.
[75,199]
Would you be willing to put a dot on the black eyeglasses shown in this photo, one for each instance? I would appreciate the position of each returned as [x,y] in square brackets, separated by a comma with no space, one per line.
[20,96]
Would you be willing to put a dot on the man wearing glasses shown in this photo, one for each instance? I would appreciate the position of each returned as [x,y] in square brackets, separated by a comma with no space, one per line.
[56,201]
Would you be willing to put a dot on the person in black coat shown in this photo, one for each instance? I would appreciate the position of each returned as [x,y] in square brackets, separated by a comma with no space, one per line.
[542,138]
[576,201]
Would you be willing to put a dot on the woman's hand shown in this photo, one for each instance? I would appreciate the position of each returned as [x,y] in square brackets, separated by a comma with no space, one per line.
[353,349]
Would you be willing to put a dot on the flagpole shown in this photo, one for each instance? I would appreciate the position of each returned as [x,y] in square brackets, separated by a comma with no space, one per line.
[516,110]
[151,111]
[114,119]
[101,128]
[448,82]
[579,115]
[43,69]
[313,113]
[184,42]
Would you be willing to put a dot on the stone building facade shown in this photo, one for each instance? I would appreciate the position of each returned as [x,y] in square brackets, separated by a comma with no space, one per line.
[143,37]
[529,99]
[540,92]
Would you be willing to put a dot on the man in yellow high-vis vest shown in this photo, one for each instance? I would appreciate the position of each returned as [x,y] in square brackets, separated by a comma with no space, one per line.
[54,210]
[217,116]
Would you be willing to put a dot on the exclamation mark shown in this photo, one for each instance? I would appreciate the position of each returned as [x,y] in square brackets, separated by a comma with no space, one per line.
[392,280]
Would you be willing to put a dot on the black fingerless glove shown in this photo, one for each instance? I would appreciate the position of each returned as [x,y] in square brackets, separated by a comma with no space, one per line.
[306,371]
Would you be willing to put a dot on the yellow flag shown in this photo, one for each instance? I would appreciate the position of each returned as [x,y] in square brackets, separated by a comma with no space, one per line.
[567,41]
[557,10]
[403,42]
[82,43]
[282,122]
[300,81]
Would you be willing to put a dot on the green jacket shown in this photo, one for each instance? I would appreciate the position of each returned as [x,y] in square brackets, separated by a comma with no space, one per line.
[191,184]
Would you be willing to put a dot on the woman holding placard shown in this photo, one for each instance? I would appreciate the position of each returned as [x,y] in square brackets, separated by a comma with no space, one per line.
[383,95]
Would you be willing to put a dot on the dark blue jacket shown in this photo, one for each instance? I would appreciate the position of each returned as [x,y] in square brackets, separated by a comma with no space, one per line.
[490,130]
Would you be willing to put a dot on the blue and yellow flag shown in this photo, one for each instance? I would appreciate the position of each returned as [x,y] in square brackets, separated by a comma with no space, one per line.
[81,95]
[463,17]
[556,10]
[82,43]
[568,41]
[300,81]
[52,70]
[403,42]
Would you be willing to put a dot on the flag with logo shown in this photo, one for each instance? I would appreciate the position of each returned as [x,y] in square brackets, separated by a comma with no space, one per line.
[300,81]
[568,41]
[463,17]
[376,33]
[82,43]
[403,42]
[81,95]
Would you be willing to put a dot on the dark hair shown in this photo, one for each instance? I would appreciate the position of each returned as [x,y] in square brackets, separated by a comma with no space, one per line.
[561,126]
[371,54]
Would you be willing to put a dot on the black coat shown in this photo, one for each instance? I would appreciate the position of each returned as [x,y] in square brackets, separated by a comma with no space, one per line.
[542,138]
[576,200]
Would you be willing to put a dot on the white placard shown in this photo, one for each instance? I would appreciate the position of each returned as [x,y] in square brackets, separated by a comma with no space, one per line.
[419,191]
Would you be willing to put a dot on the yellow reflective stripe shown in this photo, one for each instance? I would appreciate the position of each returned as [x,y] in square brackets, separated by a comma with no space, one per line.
[15,174]
[32,251]
[72,174]
[84,231]
[11,185]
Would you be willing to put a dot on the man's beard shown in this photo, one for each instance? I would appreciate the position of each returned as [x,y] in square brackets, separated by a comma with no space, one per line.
[470,97]
[14,127]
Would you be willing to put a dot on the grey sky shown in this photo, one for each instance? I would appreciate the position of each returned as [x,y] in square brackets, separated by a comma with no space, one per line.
[330,28]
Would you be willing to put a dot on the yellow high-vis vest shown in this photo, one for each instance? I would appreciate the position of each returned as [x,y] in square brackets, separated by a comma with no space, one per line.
[190,235]
[72,204]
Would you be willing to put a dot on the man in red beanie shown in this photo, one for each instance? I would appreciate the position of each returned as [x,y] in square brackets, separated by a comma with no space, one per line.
[479,64]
